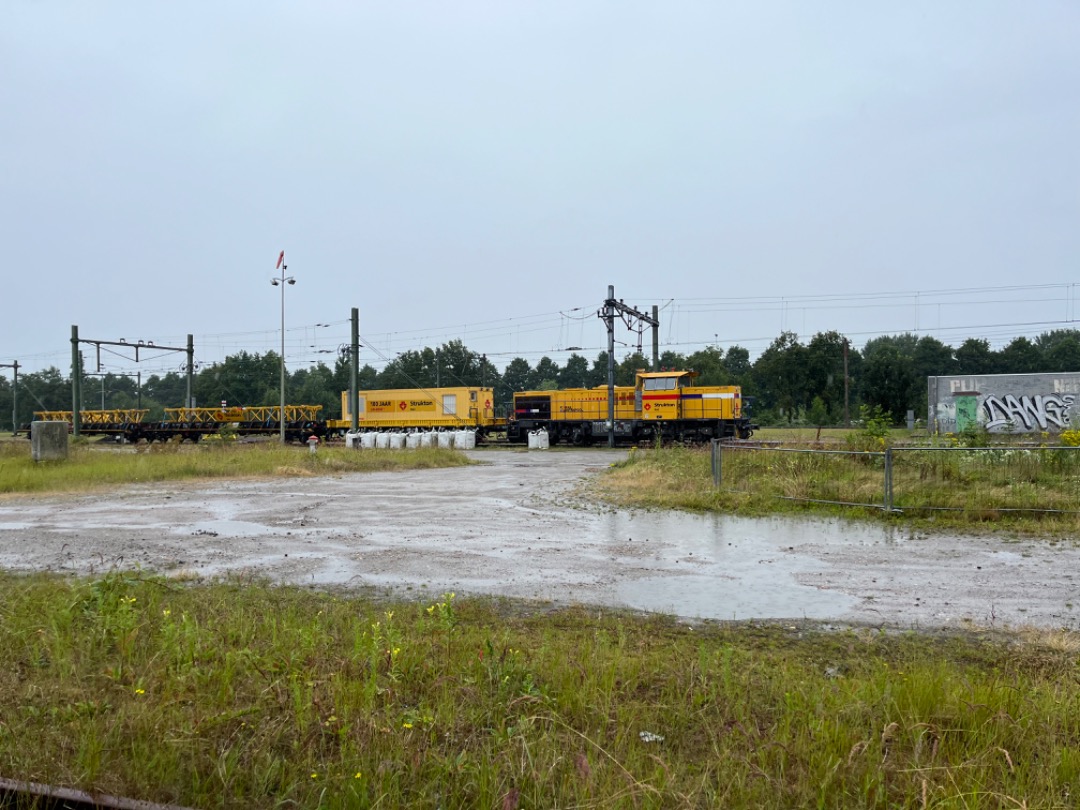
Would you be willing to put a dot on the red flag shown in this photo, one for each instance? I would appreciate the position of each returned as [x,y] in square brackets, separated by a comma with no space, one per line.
[280,259]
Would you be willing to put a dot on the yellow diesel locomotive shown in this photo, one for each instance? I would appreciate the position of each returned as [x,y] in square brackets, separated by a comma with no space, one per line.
[663,405]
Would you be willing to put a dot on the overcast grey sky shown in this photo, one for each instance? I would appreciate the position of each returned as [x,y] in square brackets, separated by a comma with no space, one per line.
[483,170]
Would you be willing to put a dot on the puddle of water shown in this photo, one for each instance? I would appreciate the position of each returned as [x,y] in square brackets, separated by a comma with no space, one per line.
[1007,557]
[231,528]
[717,531]
[765,596]
[736,568]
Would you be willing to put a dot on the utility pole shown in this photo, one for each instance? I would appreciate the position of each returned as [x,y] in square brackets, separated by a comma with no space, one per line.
[190,371]
[354,371]
[14,397]
[655,338]
[847,415]
[76,380]
[629,315]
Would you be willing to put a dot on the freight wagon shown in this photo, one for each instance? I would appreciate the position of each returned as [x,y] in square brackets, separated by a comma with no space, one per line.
[663,405]
[192,424]
[422,409]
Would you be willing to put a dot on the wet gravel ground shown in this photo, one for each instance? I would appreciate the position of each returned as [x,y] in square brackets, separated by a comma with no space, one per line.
[514,526]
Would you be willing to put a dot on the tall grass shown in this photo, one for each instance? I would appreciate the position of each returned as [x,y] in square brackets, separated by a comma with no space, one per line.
[241,694]
[997,488]
[91,466]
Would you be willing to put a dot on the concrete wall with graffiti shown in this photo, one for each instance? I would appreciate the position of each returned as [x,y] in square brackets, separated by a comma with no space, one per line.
[1005,403]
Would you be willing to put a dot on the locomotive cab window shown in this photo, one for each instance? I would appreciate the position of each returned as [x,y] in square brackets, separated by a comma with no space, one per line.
[660,383]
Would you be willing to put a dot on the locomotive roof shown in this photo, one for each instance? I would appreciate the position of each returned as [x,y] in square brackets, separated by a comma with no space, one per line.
[667,373]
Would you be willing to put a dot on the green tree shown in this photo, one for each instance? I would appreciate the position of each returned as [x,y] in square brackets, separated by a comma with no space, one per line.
[974,357]
[45,390]
[318,387]
[626,371]
[932,359]
[1021,356]
[6,388]
[243,379]
[168,391]
[673,361]
[546,374]
[709,363]
[1048,340]
[1063,355]
[779,376]
[458,365]
[410,369]
[737,361]
[575,374]
[888,378]
[517,376]
[825,370]
[598,372]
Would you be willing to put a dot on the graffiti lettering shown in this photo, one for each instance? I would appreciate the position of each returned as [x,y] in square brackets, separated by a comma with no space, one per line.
[1051,410]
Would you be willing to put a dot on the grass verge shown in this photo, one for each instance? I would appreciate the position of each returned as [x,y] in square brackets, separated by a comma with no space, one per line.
[90,467]
[242,694]
[967,490]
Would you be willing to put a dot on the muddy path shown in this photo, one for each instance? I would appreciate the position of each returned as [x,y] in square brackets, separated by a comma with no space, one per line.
[513,526]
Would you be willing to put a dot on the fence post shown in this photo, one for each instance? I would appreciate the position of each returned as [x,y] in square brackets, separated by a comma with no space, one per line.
[888,479]
[715,459]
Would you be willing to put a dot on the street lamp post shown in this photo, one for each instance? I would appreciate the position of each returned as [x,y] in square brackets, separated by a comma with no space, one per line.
[281,282]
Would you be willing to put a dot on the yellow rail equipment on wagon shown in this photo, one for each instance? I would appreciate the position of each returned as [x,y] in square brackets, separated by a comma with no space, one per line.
[421,408]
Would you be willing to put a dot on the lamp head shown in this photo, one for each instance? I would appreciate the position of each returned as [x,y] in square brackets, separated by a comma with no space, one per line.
[274,282]
[292,281]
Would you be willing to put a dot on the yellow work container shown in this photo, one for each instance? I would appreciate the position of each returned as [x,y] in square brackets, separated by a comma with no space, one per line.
[421,408]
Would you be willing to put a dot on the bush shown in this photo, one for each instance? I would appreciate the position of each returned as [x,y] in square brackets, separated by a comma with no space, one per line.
[874,431]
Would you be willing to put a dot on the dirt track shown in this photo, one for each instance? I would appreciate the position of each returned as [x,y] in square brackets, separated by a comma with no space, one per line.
[513,527]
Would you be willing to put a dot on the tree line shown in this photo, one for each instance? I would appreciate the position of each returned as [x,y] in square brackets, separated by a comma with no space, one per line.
[791,382]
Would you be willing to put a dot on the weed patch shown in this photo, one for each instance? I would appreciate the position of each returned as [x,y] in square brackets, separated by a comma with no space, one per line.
[996,490]
[93,467]
[250,695]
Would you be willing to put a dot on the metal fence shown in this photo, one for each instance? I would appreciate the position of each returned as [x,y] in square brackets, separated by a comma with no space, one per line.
[915,479]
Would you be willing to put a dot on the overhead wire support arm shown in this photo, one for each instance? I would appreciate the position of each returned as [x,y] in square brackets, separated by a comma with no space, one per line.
[77,369]
[628,315]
